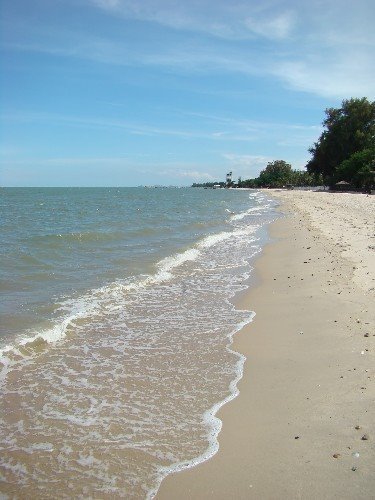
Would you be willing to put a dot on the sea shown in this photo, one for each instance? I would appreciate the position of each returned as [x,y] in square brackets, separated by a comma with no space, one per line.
[117,319]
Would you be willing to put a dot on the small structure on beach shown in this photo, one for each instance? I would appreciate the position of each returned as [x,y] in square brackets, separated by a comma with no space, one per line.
[342,186]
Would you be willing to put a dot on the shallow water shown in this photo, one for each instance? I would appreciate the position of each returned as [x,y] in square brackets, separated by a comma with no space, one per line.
[116,339]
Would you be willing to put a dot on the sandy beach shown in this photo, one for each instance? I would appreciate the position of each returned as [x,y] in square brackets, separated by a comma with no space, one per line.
[303,425]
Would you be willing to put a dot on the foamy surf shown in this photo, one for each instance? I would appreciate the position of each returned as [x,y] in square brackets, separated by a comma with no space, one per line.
[214,424]
[98,299]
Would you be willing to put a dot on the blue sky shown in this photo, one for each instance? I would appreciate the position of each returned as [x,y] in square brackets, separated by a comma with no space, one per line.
[126,93]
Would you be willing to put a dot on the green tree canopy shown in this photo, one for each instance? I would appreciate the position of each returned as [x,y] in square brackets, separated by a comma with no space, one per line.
[348,130]
[358,170]
[277,173]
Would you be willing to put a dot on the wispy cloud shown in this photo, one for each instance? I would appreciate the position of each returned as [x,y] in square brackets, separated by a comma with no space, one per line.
[215,128]
[64,162]
[247,160]
[304,46]
[101,123]
[111,171]
[348,74]
[233,21]
[315,48]
[107,4]
[191,175]
[248,165]
[178,56]
[276,27]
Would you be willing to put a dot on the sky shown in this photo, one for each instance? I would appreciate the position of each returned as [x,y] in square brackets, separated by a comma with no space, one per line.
[171,92]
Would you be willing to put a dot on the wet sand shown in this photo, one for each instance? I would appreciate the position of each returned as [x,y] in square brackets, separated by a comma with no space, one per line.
[303,425]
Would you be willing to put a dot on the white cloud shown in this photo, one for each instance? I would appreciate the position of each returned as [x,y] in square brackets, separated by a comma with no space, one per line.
[278,27]
[195,175]
[349,74]
[107,4]
[105,171]
[103,123]
[248,165]
[317,48]
[324,50]
[235,20]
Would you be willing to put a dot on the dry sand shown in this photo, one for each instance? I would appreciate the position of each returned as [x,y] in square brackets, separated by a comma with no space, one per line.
[347,220]
[303,425]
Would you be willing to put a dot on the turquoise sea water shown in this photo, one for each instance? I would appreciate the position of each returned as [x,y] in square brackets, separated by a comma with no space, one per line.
[116,321]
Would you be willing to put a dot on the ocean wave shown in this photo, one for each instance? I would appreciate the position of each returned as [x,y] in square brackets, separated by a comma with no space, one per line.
[251,211]
[100,299]
[75,309]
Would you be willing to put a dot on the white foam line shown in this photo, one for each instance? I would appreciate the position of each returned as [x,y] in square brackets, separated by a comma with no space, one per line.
[166,265]
[210,417]
[242,215]
[50,336]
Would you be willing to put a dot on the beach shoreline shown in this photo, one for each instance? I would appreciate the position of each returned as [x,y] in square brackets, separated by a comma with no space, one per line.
[303,423]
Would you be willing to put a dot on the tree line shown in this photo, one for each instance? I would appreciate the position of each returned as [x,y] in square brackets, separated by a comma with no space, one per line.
[279,174]
[345,151]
